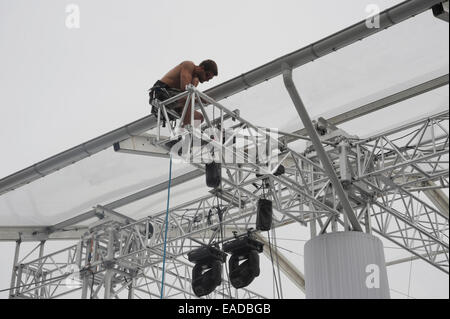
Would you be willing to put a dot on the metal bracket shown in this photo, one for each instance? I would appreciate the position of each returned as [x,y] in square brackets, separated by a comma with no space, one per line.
[145,144]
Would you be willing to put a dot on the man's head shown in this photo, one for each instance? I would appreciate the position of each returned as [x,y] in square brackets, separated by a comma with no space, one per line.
[209,68]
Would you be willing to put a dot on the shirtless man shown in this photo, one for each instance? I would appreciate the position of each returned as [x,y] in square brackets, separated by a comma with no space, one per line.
[175,81]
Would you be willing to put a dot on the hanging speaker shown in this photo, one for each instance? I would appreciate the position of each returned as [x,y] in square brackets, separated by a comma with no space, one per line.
[213,174]
[264,214]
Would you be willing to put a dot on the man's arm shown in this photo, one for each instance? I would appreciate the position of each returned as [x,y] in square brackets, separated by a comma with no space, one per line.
[187,69]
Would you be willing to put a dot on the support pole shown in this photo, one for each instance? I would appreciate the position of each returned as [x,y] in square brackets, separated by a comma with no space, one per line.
[40,274]
[368,222]
[109,272]
[14,268]
[85,286]
[312,223]
[19,278]
[131,288]
[298,103]
[84,274]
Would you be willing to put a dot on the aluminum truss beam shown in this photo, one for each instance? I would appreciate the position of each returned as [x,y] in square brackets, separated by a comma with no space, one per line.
[110,259]
[369,172]
[384,171]
[316,189]
[66,230]
[147,148]
[441,227]
[33,233]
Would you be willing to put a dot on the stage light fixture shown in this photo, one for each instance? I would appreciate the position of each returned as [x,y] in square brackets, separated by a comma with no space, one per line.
[244,260]
[207,272]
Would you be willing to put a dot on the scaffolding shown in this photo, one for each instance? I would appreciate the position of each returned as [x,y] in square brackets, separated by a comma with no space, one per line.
[391,184]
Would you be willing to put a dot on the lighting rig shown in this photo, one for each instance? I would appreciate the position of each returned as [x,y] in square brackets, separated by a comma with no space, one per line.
[243,264]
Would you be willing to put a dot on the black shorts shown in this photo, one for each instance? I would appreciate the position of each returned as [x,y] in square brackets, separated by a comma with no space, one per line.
[161,91]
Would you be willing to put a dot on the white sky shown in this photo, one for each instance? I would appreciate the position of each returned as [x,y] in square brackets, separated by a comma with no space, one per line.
[61,87]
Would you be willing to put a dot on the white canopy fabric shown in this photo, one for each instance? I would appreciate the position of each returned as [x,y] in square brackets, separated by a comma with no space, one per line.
[410,53]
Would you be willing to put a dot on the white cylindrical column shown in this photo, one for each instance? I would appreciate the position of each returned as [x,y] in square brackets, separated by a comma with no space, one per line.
[345,265]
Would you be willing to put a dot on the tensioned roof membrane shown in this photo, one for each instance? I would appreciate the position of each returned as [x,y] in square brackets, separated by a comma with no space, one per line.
[405,55]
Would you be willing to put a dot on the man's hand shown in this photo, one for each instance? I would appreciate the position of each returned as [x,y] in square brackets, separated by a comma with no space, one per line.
[195,81]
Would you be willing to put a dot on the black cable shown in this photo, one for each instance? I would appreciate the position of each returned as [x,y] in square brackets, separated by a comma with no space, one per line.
[287,250]
[229,282]
[278,263]
[406,135]
[263,188]
[214,118]
[273,268]
[220,234]
[222,240]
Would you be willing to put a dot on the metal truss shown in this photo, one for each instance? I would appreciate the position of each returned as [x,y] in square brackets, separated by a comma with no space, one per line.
[393,181]
[402,170]
[123,260]
[384,176]
[395,184]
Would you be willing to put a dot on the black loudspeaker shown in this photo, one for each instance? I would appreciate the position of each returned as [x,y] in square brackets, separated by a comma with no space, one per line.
[206,277]
[244,268]
[264,215]
[213,174]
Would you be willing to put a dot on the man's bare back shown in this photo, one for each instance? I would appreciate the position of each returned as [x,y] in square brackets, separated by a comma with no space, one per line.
[172,78]
[187,73]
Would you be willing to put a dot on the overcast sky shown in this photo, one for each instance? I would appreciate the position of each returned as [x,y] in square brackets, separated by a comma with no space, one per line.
[60,87]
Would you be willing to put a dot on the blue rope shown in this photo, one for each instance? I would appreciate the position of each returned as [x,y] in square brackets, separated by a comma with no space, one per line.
[167,226]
